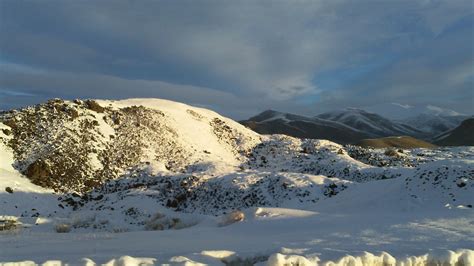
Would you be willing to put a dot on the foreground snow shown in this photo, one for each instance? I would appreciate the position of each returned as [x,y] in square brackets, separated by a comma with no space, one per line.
[325,235]
[459,257]
[373,217]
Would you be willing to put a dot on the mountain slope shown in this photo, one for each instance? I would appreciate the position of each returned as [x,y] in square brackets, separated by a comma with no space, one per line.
[272,122]
[371,123]
[434,124]
[463,135]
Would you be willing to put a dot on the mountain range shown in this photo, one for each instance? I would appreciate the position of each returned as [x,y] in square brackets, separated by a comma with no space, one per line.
[351,125]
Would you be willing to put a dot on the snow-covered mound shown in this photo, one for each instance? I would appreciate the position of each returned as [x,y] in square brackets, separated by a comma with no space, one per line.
[288,257]
[138,199]
[449,181]
[318,157]
[460,257]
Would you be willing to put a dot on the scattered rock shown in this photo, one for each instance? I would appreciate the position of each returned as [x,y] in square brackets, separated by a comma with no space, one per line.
[8,224]
[73,113]
[62,228]
[233,217]
[38,171]
[94,106]
[172,203]
[9,190]
[11,123]
[6,131]
[391,152]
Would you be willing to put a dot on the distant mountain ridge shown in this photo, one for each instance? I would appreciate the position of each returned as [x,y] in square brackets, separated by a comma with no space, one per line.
[371,123]
[351,125]
[435,124]
[399,111]
[273,122]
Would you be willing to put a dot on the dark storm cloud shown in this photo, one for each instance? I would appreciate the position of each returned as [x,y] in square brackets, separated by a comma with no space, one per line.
[238,57]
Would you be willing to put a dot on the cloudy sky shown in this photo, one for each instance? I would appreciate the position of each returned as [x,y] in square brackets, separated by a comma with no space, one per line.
[240,57]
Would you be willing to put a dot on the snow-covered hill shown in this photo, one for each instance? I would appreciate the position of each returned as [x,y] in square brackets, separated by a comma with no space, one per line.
[168,183]
[78,145]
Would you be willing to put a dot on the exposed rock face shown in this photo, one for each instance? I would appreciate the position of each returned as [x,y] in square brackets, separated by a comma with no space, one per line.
[94,106]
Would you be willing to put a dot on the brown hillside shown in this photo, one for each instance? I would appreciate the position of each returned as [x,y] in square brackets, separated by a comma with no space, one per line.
[404,142]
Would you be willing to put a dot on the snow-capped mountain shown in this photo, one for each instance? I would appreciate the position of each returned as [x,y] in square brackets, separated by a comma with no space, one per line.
[372,124]
[430,119]
[351,125]
[399,111]
[434,124]
[210,191]
[273,122]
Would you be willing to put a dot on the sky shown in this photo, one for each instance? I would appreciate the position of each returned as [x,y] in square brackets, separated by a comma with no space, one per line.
[240,57]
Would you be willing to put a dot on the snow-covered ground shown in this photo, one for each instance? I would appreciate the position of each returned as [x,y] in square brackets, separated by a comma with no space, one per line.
[240,199]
